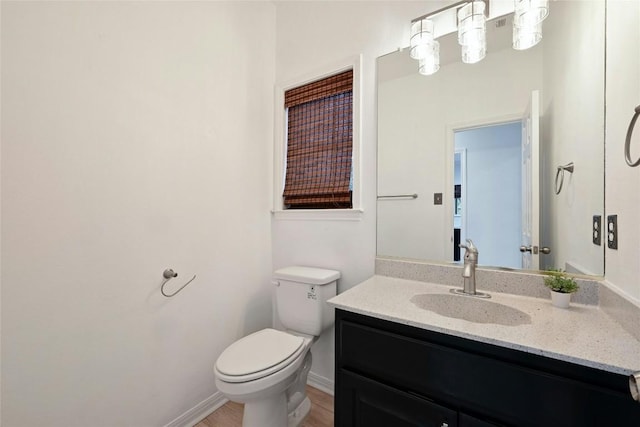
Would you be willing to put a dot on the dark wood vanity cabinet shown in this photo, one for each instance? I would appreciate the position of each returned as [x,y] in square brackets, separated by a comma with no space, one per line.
[393,375]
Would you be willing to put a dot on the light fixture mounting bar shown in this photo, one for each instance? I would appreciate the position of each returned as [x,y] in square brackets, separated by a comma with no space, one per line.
[446,19]
[454,6]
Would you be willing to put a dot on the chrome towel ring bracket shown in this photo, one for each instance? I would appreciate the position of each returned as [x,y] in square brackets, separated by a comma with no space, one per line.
[169,274]
[560,174]
[627,142]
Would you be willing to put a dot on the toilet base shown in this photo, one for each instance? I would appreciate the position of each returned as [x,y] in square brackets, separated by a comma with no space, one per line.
[297,417]
[266,412]
[272,413]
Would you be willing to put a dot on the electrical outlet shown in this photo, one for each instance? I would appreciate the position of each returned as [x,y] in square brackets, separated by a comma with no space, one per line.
[612,231]
[437,198]
[597,232]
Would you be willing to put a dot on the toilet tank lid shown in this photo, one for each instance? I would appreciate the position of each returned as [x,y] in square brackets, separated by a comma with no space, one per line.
[310,275]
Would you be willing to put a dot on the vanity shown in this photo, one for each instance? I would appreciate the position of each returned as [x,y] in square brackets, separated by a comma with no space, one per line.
[403,360]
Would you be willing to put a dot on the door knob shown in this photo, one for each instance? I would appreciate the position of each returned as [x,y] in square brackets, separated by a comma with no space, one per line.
[534,249]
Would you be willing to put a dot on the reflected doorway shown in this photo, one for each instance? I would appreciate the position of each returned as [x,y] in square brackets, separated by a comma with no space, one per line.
[488,192]
[459,177]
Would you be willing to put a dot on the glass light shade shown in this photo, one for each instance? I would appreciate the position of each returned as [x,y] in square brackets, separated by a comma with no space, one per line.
[473,53]
[526,36]
[528,13]
[431,62]
[472,24]
[421,38]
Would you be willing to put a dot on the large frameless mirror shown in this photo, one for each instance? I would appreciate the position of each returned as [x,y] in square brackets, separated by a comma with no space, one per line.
[478,151]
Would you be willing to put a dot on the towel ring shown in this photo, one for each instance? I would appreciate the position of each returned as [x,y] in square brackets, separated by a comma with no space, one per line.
[560,174]
[627,142]
[169,274]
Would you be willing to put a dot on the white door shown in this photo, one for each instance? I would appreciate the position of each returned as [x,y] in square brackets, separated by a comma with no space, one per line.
[531,184]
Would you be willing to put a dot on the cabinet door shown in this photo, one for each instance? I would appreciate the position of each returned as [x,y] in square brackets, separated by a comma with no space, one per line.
[363,402]
[469,421]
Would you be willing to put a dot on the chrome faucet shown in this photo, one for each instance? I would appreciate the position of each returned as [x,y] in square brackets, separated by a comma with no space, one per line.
[469,272]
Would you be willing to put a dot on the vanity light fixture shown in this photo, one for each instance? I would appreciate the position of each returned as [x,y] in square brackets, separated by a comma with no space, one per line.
[469,20]
[526,36]
[423,46]
[527,13]
[527,22]
[472,31]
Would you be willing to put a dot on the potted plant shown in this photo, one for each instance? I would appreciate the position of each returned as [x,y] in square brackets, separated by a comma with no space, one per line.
[561,285]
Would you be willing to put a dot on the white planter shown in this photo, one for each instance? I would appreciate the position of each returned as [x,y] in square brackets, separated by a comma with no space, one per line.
[559,299]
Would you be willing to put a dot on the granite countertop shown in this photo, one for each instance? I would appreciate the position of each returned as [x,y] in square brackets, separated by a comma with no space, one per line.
[582,334]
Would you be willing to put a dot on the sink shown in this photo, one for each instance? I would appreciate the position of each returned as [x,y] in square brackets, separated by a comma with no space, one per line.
[471,309]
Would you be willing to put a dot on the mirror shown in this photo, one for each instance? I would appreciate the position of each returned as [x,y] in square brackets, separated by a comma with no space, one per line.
[430,144]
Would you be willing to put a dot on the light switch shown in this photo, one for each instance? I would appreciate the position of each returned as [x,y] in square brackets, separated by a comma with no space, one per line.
[437,198]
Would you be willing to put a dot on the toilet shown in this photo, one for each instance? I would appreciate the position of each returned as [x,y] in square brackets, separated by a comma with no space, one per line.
[267,370]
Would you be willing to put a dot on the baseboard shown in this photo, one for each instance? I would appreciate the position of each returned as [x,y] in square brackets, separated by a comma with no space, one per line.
[321,383]
[196,414]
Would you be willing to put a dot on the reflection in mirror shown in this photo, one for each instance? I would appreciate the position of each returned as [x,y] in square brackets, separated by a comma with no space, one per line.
[466,132]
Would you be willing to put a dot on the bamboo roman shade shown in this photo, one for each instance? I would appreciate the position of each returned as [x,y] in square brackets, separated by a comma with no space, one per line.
[319,144]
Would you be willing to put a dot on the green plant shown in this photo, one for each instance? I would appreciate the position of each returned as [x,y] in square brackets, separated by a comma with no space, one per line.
[558,281]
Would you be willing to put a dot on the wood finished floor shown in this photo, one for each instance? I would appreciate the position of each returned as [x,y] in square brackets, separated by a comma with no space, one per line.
[230,414]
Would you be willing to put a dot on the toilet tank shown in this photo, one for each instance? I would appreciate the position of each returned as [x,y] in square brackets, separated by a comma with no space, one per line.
[301,298]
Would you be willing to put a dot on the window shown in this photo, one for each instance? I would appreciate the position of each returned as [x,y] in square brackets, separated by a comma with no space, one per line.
[319,170]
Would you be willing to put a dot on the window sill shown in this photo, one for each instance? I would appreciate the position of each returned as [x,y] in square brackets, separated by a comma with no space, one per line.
[318,214]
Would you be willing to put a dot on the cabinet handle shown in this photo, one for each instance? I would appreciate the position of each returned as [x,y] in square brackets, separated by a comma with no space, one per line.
[634,386]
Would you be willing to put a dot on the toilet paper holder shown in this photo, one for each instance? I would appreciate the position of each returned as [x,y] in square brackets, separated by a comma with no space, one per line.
[169,274]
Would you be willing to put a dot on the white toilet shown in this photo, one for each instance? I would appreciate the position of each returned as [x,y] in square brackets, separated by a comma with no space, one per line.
[267,370]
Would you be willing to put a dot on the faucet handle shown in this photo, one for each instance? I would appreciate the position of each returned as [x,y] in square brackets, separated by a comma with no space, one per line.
[469,246]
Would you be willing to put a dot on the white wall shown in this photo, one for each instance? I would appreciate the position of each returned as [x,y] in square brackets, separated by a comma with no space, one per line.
[623,95]
[135,137]
[416,114]
[311,35]
[573,132]
[494,192]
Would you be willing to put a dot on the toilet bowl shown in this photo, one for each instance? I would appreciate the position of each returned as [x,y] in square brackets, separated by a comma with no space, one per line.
[268,369]
[262,371]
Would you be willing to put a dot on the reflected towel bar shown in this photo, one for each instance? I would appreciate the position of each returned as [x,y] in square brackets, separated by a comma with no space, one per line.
[398,196]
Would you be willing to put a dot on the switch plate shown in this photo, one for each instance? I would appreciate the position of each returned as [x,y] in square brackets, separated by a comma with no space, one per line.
[597,230]
[612,231]
[437,198]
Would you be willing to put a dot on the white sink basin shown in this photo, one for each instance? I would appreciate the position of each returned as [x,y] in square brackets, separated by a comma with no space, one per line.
[471,309]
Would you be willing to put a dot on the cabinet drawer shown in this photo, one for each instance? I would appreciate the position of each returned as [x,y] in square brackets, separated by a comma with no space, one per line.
[505,391]
[367,403]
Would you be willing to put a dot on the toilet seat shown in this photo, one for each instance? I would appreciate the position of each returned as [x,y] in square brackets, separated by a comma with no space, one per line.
[258,355]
